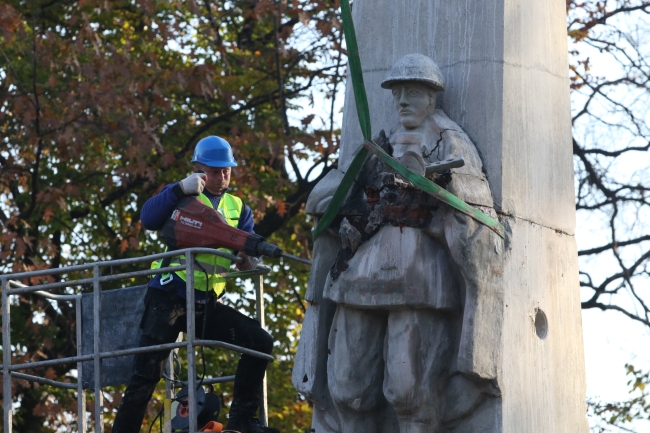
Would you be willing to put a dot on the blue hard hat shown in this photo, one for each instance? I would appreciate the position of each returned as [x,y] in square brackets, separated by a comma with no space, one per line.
[214,151]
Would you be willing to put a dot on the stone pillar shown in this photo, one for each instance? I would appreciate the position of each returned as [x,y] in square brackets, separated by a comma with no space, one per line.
[506,71]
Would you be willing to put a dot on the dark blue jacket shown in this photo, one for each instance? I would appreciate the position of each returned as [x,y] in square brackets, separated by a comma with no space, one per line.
[157,209]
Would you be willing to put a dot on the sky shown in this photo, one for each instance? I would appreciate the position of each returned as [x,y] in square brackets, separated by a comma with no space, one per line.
[611,341]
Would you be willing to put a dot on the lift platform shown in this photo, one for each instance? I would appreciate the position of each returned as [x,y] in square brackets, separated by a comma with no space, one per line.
[108,334]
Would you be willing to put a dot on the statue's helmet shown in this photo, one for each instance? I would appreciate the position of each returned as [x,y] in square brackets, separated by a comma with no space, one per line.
[415,67]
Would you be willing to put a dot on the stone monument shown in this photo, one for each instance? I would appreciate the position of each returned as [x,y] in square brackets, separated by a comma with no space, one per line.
[425,321]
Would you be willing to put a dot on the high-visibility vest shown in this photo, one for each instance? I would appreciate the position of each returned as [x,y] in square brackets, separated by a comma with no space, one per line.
[209,270]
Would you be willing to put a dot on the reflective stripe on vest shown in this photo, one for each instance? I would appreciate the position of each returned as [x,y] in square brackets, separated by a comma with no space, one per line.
[214,267]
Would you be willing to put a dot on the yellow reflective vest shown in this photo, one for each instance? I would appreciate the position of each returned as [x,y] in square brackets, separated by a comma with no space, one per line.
[210,269]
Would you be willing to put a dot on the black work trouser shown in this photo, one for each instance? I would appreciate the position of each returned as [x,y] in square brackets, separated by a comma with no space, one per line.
[164,317]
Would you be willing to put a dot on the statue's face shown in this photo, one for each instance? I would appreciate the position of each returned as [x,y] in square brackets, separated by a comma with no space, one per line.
[414,102]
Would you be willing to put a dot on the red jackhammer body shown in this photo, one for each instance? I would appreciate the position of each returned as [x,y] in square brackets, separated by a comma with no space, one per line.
[193,224]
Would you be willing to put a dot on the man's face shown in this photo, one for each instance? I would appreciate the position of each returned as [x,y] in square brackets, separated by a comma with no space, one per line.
[414,102]
[218,177]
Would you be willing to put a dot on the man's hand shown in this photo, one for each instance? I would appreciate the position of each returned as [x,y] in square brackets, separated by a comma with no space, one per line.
[193,184]
[249,262]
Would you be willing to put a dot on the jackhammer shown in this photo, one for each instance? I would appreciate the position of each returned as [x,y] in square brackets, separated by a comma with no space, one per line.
[193,224]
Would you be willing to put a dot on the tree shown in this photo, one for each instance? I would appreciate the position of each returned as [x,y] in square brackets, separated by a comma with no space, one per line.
[610,82]
[101,103]
[620,414]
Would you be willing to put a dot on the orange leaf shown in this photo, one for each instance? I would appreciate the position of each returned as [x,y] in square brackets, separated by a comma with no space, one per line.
[282,208]
[134,243]
[48,214]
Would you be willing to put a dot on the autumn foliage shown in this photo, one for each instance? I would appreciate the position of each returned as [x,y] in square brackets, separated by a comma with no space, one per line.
[101,104]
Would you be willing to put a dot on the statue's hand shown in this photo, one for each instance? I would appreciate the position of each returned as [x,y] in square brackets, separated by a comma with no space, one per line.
[382,141]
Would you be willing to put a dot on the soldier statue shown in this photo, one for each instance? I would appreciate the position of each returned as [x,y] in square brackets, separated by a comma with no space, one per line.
[405,294]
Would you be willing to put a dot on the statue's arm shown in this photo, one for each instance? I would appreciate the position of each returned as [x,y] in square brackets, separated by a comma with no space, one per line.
[310,366]
[478,254]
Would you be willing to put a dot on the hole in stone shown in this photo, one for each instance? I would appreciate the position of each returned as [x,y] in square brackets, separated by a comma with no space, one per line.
[541,323]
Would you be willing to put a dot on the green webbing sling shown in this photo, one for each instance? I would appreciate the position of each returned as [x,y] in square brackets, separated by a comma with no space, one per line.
[363,113]
[364,120]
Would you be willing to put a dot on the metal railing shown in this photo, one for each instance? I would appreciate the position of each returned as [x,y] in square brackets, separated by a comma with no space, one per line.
[11,371]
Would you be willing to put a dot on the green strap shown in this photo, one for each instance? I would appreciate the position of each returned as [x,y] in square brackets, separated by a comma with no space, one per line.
[437,191]
[360,97]
[363,112]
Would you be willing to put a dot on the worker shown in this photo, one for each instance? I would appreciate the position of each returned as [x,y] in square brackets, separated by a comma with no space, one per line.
[165,304]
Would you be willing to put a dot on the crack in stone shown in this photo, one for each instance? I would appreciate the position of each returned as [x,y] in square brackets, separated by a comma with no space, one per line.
[534,223]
